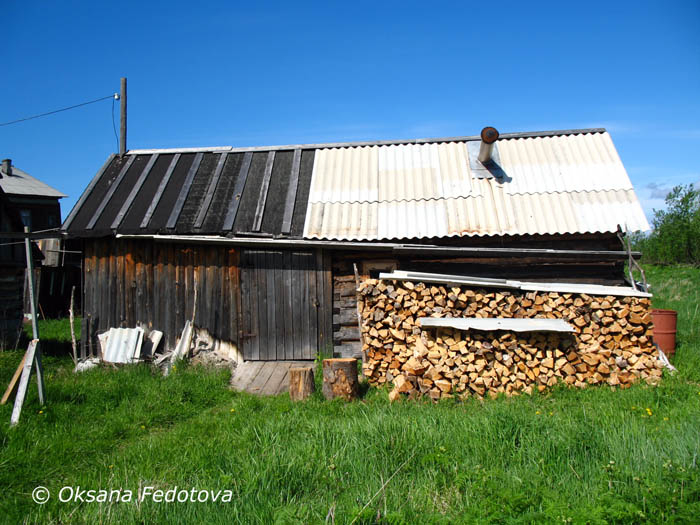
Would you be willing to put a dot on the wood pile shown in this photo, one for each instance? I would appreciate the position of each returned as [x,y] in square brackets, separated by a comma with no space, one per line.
[611,344]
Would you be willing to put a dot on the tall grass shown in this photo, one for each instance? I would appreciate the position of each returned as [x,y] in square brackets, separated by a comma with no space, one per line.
[581,456]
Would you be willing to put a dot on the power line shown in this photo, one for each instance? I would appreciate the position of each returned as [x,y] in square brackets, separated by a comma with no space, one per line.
[114,125]
[58,110]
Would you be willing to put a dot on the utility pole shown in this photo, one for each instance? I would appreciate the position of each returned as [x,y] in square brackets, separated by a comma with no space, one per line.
[122,125]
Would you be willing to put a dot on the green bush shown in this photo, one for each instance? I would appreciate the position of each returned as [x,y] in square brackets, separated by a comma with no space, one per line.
[676,235]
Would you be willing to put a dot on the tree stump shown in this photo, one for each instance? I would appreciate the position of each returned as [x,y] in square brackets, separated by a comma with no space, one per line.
[340,378]
[301,383]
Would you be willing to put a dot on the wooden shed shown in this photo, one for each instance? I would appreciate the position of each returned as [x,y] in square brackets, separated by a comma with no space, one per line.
[265,239]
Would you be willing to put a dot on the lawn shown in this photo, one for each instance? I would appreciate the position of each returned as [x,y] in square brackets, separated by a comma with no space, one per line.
[574,456]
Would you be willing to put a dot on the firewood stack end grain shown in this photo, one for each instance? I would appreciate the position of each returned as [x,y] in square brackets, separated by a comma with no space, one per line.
[612,343]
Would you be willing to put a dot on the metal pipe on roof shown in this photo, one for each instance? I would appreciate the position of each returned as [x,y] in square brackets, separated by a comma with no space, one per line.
[489,136]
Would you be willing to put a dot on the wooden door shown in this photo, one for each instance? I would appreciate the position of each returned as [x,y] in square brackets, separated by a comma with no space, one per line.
[280,303]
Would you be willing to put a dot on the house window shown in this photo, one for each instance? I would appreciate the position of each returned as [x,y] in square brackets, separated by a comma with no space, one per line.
[26,216]
[52,221]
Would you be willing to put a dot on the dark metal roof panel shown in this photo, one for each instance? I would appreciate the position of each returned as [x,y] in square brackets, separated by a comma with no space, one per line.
[207,200]
[87,209]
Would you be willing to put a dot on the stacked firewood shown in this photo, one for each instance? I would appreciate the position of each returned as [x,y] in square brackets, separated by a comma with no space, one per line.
[611,343]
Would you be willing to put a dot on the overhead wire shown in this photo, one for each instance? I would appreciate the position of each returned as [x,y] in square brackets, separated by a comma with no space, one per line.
[114,126]
[60,110]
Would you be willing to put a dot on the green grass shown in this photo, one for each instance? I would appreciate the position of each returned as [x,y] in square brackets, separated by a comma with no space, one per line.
[580,456]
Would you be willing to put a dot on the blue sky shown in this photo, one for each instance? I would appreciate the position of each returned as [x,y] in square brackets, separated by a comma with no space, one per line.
[260,73]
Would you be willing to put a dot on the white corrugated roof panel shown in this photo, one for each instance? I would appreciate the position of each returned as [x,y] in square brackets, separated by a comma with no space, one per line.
[562,164]
[557,184]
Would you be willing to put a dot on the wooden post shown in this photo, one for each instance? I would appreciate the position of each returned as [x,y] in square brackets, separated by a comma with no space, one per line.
[72,328]
[301,383]
[84,336]
[13,381]
[340,378]
[358,307]
[35,322]
[122,120]
[24,381]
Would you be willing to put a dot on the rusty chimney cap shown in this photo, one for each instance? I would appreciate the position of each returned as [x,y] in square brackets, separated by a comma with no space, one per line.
[489,135]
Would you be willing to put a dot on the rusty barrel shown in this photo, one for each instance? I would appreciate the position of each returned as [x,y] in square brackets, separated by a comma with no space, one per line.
[665,329]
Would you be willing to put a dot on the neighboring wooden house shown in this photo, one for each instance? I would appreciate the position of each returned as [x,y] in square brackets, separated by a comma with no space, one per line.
[30,202]
[268,236]
[24,201]
[36,202]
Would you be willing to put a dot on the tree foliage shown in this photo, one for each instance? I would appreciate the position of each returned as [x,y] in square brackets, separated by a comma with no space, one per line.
[676,234]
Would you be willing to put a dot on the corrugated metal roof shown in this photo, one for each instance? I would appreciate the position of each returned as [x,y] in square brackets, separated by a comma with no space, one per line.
[391,173]
[563,164]
[22,183]
[123,345]
[494,213]
[176,193]
[553,185]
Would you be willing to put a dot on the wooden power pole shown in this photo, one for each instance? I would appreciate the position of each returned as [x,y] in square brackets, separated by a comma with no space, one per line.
[122,121]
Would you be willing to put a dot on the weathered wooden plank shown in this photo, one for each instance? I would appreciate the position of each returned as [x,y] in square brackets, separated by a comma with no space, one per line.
[24,381]
[263,324]
[262,198]
[13,381]
[237,191]
[287,305]
[209,195]
[298,307]
[279,372]
[244,298]
[254,297]
[184,191]
[270,293]
[263,377]
[347,333]
[349,349]
[278,305]
[159,192]
[245,374]
[112,319]
[234,271]
[168,288]
[213,290]
[129,284]
[327,304]
[180,299]
[314,304]
[291,193]
[110,192]
[310,316]
[134,191]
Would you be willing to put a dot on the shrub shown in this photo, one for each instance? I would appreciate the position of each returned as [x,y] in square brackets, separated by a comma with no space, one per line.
[676,234]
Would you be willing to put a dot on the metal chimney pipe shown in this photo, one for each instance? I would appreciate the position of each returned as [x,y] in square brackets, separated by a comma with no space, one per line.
[489,136]
[7,167]
[122,125]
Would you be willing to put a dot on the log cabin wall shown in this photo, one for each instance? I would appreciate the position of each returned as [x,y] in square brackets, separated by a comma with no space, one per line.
[134,282]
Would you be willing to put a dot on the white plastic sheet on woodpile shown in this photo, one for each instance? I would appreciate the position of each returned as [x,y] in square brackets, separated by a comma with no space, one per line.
[461,280]
[553,185]
[490,324]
